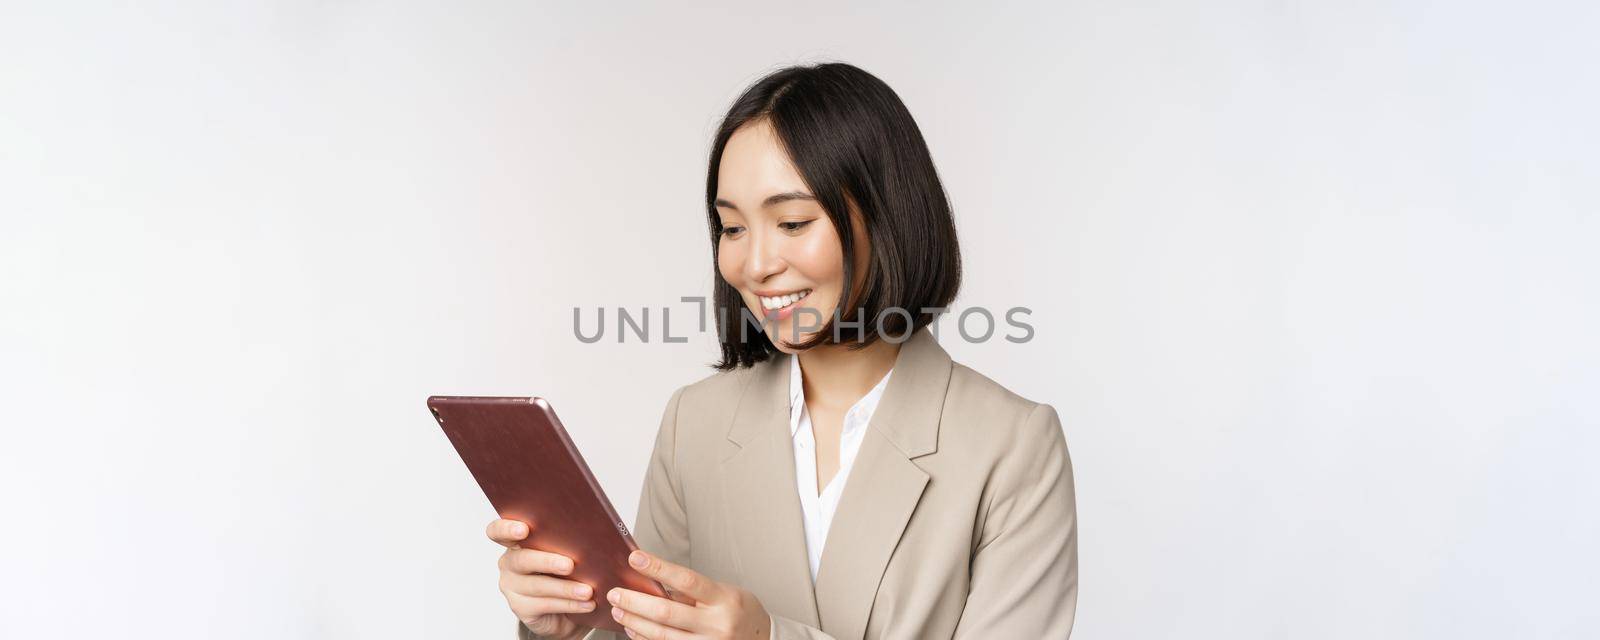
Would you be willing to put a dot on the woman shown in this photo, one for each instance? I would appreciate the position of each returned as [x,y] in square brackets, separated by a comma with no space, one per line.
[959,517]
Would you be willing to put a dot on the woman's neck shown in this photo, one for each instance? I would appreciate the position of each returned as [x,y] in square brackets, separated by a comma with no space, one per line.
[836,376]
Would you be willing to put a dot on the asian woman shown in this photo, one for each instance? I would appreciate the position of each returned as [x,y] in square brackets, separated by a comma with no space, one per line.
[838,476]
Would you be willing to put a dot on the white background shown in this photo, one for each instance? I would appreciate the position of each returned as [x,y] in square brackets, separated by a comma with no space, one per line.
[1314,286]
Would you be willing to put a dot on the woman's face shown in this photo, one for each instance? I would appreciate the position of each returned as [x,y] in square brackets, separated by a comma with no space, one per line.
[778,247]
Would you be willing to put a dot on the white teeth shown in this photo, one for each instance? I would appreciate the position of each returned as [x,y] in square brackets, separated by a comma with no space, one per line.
[782,301]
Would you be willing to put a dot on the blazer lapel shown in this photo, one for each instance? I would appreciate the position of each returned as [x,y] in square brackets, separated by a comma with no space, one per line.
[883,488]
[762,505]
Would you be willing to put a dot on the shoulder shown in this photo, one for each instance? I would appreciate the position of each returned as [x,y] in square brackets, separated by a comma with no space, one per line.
[701,411]
[715,393]
[973,388]
[974,397]
[988,424]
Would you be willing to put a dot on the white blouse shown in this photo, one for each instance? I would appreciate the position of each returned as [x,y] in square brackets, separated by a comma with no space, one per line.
[818,509]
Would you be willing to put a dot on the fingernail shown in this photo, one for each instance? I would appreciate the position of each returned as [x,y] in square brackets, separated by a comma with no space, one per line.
[612,596]
[587,605]
[582,591]
[616,614]
[636,559]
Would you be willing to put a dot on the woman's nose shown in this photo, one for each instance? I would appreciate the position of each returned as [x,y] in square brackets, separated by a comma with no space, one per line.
[764,261]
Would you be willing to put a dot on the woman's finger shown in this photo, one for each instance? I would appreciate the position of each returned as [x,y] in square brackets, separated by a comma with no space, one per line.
[545,586]
[527,608]
[643,627]
[676,577]
[658,610]
[531,561]
[508,533]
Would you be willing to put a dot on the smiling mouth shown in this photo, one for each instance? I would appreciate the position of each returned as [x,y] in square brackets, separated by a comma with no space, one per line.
[777,303]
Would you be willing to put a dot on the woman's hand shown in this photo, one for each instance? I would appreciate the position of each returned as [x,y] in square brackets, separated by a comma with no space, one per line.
[719,610]
[527,579]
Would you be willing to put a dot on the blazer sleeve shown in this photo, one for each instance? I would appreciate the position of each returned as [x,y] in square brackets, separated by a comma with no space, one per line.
[662,526]
[1024,581]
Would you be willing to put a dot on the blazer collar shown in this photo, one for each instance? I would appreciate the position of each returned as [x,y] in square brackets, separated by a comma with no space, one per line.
[762,504]
[911,422]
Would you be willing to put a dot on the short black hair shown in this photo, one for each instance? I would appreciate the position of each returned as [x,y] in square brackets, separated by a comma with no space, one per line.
[855,144]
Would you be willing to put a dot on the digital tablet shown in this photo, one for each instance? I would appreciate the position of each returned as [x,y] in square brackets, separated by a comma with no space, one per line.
[521,456]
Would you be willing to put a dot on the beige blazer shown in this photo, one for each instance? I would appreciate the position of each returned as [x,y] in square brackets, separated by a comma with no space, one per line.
[958,519]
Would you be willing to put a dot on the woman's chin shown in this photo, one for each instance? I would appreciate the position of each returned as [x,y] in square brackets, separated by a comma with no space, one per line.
[783,348]
[782,343]
[783,338]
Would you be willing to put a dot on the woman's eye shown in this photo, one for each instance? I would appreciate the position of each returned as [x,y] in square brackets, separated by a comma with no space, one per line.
[793,226]
[731,231]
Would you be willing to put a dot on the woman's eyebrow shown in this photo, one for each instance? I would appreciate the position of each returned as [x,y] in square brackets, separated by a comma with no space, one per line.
[777,198]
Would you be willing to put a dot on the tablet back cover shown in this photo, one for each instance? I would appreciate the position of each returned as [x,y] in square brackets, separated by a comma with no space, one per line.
[526,464]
